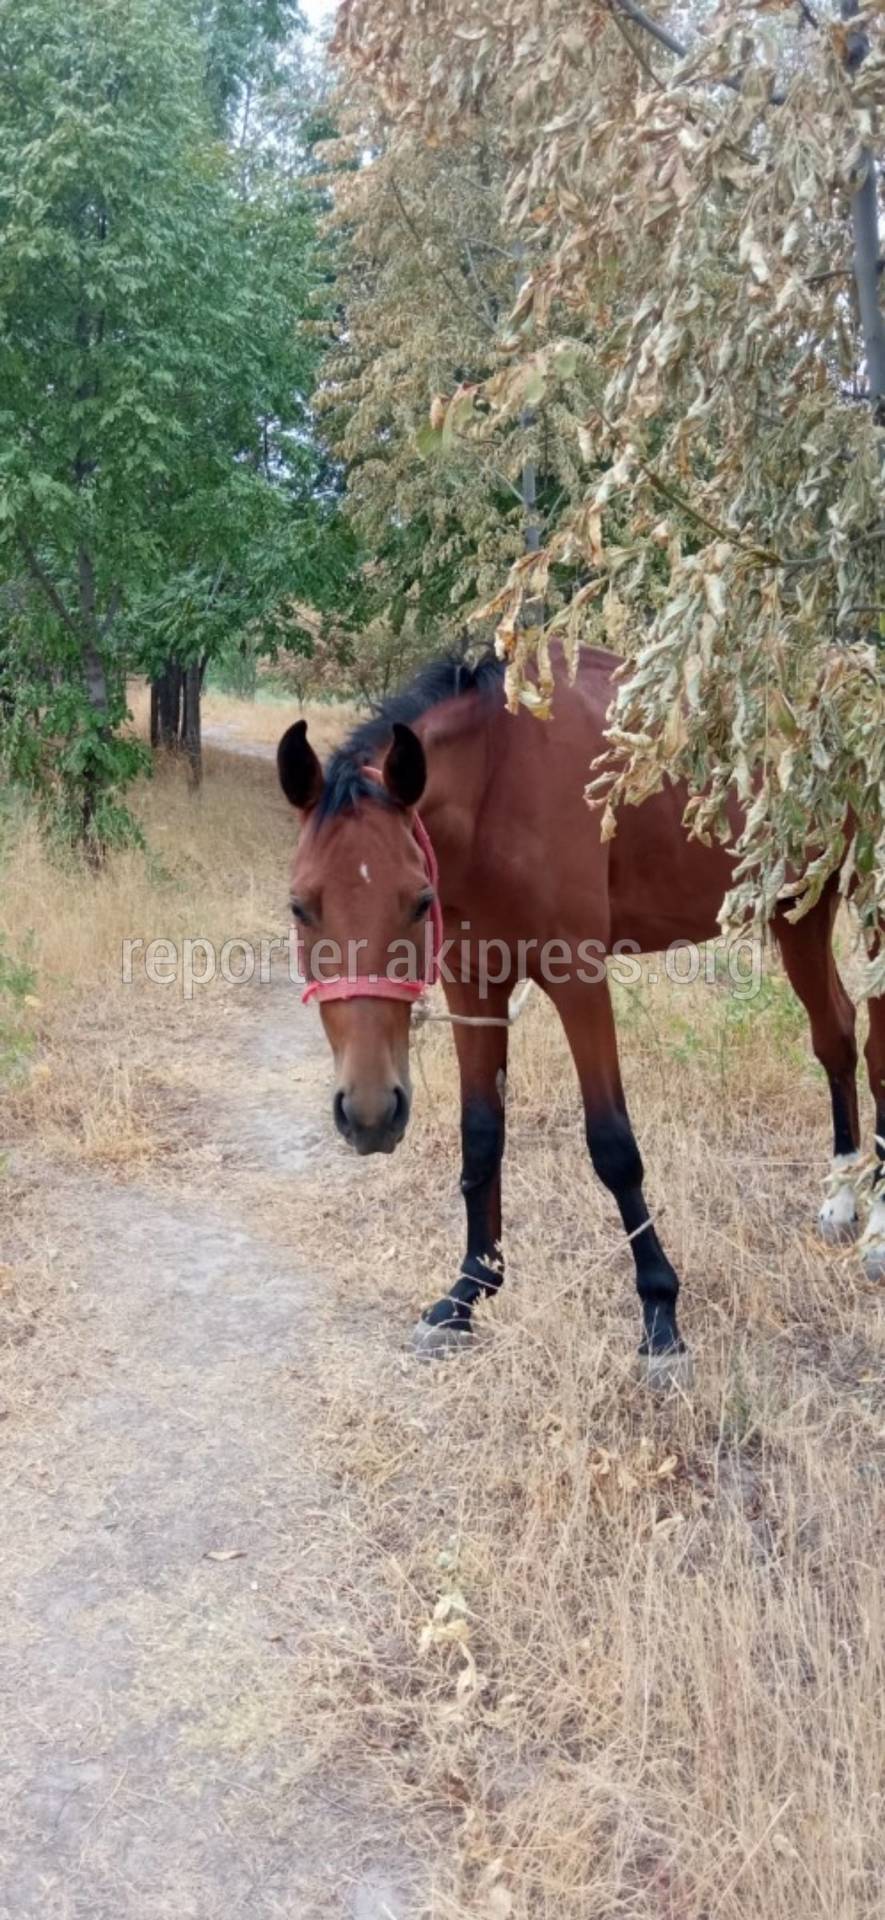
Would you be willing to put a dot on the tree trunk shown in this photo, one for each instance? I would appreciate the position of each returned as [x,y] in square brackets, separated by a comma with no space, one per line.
[95,682]
[166,704]
[96,692]
[191,739]
[175,712]
[865,230]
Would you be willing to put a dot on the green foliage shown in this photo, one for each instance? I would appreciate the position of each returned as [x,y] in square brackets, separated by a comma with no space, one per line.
[422,275]
[235,669]
[155,364]
[717,1022]
[18,981]
[242,40]
[428,266]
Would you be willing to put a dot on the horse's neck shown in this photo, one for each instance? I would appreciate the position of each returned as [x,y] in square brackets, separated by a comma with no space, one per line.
[460,750]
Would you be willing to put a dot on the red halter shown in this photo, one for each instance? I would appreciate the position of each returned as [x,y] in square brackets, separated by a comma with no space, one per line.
[373,986]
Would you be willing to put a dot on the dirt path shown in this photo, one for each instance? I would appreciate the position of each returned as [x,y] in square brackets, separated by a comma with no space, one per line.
[175,1541]
[225,736]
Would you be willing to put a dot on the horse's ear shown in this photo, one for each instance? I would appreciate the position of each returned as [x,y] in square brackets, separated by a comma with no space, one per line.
[405,768]
[301,776]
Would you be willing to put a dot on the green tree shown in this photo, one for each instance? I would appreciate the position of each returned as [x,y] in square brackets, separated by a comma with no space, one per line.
[265,538]
[151,370]
[239,519]
[243,42]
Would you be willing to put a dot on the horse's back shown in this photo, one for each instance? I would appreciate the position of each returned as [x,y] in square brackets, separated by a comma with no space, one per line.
[651,884]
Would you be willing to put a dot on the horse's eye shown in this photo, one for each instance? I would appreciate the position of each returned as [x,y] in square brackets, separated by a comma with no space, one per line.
[300,913]
[423,904]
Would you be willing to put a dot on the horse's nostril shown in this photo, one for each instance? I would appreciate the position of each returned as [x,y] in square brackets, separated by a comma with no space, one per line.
[380,1121]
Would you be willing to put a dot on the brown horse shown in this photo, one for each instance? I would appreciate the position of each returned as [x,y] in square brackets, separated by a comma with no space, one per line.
[527,888]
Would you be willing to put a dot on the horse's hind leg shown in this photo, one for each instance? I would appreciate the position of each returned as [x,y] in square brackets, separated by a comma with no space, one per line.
[806,947]
[586,1014]
[482,1062]
[873,1247]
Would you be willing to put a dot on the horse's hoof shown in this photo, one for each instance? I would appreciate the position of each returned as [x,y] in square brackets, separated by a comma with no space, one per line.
[671,1370]
[874,1264]
[872,1250]
[838,1219]
[439,1342]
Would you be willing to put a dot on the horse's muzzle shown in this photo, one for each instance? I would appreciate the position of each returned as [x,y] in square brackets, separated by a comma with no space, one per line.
[372,1131]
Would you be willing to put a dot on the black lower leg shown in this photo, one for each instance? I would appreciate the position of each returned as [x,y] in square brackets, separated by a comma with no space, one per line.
[616,1159]
[843,1099]
[482,1270]
[879,1176]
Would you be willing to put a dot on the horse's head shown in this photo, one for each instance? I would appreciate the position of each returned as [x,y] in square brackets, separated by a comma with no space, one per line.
[360,897]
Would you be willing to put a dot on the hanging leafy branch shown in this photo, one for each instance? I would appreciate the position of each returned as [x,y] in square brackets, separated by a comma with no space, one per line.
[426,273]
[699,206]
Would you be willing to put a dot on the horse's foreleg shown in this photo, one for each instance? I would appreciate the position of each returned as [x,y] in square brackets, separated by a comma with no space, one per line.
[586,1015]
[812,972]
[873,1244]
[482,1060]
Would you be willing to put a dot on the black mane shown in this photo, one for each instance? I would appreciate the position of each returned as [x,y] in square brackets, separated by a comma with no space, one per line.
[346,781]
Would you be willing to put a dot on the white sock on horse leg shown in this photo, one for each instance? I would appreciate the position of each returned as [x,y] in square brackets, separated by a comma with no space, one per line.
[873,1243]
[838,1216]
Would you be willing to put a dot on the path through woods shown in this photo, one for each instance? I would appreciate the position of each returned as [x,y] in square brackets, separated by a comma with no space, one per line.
[171,1534]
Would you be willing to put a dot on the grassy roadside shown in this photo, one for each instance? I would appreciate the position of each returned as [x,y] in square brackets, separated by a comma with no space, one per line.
[628,1664]
[633,1651]
[84,1054]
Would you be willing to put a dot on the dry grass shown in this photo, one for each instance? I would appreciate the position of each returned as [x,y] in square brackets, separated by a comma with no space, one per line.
[215,867]
[257,722]
[622,1659]
[96,1059]
[265,719]
[631,1658]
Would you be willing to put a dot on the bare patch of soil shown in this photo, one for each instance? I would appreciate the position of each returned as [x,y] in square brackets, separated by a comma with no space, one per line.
[172,1537]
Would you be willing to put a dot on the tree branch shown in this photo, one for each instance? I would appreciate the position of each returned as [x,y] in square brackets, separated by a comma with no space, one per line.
[865,226]
[832,273]
[38,573]
[765,555]
[113,608]
[487,304]
[665,38]
[488,246]
[864,202]
[505,482]
[421,238]
[822,554]
[645,64]
[644,20]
